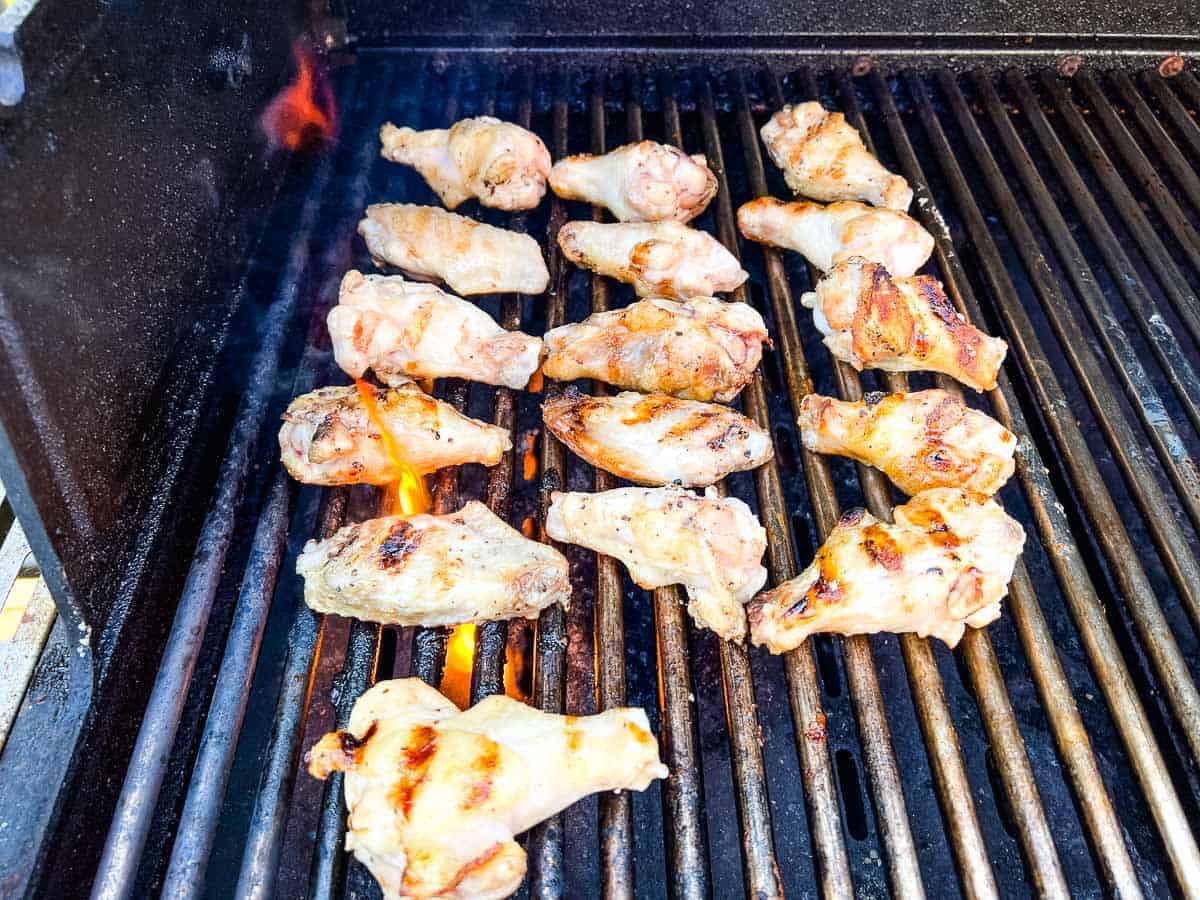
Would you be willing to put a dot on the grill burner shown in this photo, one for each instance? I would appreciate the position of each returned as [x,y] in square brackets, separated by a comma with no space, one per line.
[842,793]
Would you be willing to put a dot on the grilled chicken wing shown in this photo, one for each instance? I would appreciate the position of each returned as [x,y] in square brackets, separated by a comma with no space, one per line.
[468,566]
[329,437]
[408,329]
[872,320]
[642,182]
[944,564]
[827,235]
[822,156]
[435,795]
[660,259]
[711,545]
[502,164]
[657,439]
[699,349]
[470,257]
[921,440]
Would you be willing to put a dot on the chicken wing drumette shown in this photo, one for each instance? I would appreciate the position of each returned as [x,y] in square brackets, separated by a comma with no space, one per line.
[711,545]
[921,440]
[943,565]
[660,259]
[827,235]
[435,796]
[822,156]
[642,182]
[468,566]
[872,320]
[470,257]
[699,349]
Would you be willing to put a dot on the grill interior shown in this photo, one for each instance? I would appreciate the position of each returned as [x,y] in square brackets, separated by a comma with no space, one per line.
[1054,751]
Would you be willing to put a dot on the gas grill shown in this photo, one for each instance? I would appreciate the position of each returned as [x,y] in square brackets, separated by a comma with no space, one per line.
[1055,752]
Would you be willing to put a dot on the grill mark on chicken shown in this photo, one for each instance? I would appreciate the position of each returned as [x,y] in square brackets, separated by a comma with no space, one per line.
[486,764]
[478,863]
[416,757]
[882,549]
[824,591]
[966,338]
[401,542]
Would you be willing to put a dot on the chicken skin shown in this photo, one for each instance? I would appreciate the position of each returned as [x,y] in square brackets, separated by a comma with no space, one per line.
[468,566]
[502,164]
[921,440]
[405,330]
[711,545]
[470,257]
[657,439]
[329,436]
[642,182]
[822,156]
[660,259]
[435,796]
[828,235]
[699,349]
[943,565]
[872,320]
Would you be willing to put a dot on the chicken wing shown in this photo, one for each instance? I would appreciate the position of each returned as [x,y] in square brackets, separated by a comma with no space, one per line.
[944,564]
[711,545]
[502,164]
[642,182]
[468,566]
[699,349]
[435,796]
[470,257]
[408,330]
[660,259]
[328,436]
[823,157]
[827,235]
[872,320]
[657,439]
[921,440]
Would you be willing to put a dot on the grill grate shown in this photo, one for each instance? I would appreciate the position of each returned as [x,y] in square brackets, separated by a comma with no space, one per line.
[1056,751]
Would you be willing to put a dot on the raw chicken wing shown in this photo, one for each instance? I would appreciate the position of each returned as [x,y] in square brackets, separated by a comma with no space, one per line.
[872,320]
[660,259]
[408,330]
[823,157]
[502,164]
[643,182]
[468,566]
[657,439]
[470,257]
[711,545]
[943,565]
[435,796]
[827,235]
[699,349]
[329,437]
[921,440]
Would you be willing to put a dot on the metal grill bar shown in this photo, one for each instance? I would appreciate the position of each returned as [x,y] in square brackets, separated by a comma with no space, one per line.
[1185,125]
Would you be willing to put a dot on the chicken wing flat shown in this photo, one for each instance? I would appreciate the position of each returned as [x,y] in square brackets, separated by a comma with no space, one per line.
[827,235]
[657,439]
[872,320]
[435,796]
[405,330]
[943,565]
[699,349]
[642,182]
[921,440]
[468,566]
[823,157]
[328,436]
[470,257]
[660,259]
[711,545]
[502,164]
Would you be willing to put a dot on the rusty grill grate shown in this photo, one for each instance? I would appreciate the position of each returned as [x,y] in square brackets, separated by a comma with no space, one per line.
[1055,752]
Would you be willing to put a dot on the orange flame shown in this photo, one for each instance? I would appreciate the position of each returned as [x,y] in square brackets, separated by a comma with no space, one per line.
[460,659]
[303,115]
[408,494]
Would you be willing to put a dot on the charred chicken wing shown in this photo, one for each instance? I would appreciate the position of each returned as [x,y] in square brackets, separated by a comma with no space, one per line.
[943,565]
[435,796]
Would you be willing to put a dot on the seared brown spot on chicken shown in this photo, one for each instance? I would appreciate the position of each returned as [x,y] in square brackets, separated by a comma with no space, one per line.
[417,755]
[401,541]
